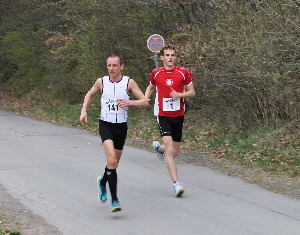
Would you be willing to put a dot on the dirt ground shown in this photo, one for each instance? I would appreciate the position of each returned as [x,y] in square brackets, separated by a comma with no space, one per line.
[16,217]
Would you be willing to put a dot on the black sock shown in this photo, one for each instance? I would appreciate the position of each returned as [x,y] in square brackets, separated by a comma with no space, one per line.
[104,178]
[112,179]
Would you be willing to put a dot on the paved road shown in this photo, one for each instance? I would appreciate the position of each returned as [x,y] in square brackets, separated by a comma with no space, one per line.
[52,170]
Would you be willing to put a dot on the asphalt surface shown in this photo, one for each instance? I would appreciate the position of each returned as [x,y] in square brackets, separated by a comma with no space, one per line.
[52,170]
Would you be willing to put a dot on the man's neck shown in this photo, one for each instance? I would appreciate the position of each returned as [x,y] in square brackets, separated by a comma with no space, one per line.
[169,67]
[116,79]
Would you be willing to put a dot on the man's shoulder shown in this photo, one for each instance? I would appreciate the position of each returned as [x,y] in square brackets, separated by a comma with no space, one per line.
[129,80]
[99,80]
[182,69]
[103,78]
[159,69]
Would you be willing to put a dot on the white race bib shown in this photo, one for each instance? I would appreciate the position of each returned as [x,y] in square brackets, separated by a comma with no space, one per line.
[111,106]
[171,104]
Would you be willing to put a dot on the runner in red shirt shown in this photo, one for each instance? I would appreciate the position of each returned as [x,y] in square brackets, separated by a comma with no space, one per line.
[166,81]
[173,85]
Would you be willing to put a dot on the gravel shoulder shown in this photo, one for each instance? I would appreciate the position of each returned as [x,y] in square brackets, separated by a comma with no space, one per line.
[16,217]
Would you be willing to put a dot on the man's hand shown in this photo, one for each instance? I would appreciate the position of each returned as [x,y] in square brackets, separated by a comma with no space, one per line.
[83,117]
[123,103]
[174,94]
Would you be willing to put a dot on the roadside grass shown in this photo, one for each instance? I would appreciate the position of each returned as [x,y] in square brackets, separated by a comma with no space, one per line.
[6,222]
[275,151]
[8,232]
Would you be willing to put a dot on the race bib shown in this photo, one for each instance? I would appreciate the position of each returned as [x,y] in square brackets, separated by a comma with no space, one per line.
[171,104]
[111,106]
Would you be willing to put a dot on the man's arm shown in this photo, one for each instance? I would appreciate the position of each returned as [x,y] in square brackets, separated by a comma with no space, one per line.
[150,89]
[187,94]
[88,99]
[136,91]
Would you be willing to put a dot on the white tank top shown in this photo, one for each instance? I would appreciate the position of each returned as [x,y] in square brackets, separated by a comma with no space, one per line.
[111,91]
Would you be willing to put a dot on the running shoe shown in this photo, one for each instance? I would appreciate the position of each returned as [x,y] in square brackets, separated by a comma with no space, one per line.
[156,146]
[102,194]
[115,206]
[178,189]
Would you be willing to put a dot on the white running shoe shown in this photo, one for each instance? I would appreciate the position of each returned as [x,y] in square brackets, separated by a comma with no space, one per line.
[156,146]
[178,189]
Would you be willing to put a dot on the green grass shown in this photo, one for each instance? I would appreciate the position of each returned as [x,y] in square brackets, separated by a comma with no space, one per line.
[269,149]
[8,232]
[6,220]
[66,114]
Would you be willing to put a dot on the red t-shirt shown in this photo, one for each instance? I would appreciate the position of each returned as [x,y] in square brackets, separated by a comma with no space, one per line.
[164,80]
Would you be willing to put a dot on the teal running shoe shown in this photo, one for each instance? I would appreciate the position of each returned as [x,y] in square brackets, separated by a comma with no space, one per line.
[102,194]
[115,206]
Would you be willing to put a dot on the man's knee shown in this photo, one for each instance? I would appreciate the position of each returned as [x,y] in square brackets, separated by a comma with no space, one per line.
[112,162]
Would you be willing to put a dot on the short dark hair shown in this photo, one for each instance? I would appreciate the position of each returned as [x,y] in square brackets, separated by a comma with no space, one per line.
[167,47]
[116,56]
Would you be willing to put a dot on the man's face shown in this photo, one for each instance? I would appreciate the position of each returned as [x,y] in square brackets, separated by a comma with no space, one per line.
[113,67]
[168,58]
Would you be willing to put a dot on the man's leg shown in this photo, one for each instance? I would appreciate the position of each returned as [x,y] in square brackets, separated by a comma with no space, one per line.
[176,147]
[103,180]
[112,176]
[160,149]
[172,148]
[113,157]
[170,162]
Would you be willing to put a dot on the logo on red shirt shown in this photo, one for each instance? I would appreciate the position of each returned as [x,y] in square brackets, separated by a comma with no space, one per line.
[169,82]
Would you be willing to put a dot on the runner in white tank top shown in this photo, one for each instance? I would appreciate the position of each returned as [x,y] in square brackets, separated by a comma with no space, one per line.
[115,90]
[111,92]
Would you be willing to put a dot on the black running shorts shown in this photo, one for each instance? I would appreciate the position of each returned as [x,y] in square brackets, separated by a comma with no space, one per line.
[117,132]
[171,126]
